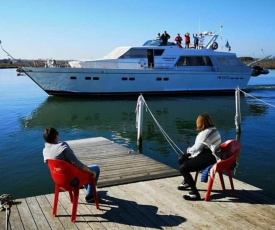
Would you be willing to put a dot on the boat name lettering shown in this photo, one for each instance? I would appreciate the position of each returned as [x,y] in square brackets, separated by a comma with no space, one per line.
[169,59]
[223,77]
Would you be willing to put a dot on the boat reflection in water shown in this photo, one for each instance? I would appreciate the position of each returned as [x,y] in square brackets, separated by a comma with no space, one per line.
[115,119]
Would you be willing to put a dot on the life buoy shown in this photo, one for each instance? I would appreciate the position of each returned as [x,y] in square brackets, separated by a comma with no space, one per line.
[214,45]
[142,62]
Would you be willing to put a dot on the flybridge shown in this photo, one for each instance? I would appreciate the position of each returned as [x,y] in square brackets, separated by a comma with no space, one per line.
[209,37]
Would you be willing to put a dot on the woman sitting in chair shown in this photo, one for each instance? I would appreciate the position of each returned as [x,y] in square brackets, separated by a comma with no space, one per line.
[199,156]
[61,150]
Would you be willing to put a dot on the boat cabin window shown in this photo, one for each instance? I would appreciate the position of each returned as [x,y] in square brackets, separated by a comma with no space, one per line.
[226,61]
[194,61]
[135,53]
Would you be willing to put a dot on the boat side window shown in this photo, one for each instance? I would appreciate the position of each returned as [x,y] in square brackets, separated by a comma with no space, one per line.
[207,61]
[134,53]
[158,52]
[222,61]
[229,61]
[194,61]
[182,61]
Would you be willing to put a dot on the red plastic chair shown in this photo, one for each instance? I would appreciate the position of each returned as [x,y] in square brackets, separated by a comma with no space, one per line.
[68,177]
[231,148]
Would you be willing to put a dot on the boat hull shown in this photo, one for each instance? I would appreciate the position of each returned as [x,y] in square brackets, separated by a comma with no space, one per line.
[87,81]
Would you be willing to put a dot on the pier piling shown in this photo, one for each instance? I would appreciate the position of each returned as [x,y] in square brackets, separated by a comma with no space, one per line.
[238,111]
[139,119]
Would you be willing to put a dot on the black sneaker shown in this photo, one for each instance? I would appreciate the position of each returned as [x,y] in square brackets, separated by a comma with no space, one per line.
[192,196]
[90,199]
[183,186]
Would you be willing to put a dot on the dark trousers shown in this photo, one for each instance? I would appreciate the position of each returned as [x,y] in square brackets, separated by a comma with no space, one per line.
[198,163]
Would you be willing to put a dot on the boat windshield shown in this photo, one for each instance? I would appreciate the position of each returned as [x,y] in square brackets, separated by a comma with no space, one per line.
[157,42]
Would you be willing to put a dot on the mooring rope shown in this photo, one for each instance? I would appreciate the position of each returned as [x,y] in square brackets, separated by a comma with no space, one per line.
[169,140]
[6,201]
[177,150]
[257,98]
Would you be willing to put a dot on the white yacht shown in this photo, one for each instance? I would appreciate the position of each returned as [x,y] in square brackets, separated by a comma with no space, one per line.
[153,68]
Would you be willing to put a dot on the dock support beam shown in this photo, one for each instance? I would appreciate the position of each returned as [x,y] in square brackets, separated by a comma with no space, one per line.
[139,119]
[238,112]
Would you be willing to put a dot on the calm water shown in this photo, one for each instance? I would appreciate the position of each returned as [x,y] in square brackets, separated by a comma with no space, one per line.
[26,110]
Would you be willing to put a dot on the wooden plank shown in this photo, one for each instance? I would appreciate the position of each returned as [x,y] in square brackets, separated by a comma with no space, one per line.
[64,210]
[147,207]
[11,218]
[102,215]
[26,215]
[88,212]
[60,222]
[37,213]
[67,205]
[15,221]
[116,209]
[130,206]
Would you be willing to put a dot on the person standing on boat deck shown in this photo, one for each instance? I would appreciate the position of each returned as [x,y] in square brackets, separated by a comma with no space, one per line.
[165,37]
[196,41]
[199,156]
[54,149]
[201,41]
[158,36]
[178,40]
[187,40]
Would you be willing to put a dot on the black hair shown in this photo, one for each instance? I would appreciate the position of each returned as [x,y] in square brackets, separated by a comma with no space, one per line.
[50,135]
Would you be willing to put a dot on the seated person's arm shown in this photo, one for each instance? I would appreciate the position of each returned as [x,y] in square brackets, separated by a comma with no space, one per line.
[70,157]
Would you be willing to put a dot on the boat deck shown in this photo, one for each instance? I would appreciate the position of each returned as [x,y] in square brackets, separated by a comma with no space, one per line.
[152,202]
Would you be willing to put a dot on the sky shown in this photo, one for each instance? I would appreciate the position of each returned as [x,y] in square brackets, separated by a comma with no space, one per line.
[88,29]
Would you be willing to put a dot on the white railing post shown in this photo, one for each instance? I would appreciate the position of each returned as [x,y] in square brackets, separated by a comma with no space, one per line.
[139,119]
[238,111]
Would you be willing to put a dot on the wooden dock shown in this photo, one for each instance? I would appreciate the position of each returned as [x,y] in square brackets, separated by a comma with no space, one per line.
[152,202]
[118,164]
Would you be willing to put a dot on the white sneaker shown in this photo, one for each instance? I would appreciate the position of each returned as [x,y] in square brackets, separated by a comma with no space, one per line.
[183,186]
[192,196]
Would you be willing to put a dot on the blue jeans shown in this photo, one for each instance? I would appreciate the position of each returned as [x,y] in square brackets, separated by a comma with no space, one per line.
[96,169]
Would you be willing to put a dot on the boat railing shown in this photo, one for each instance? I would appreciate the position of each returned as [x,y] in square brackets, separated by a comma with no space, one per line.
[211,41]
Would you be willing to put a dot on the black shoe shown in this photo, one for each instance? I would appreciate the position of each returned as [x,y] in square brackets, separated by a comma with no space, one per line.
[90,199]
[183,186]
[192,196]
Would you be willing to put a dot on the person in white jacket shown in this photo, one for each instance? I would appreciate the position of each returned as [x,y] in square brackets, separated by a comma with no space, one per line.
[201,41]
[201,155]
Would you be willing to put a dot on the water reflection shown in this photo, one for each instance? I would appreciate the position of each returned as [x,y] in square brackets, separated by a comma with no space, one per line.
[176,115]
[258,109]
